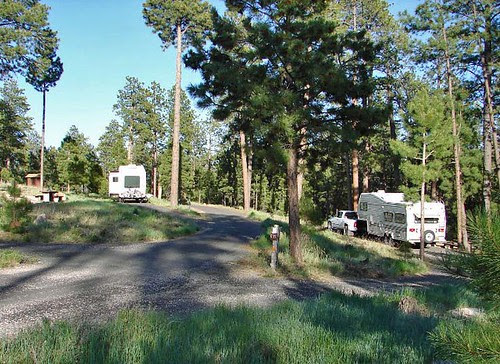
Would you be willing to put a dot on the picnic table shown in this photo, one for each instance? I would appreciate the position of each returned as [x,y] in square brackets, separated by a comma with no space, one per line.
[50,196]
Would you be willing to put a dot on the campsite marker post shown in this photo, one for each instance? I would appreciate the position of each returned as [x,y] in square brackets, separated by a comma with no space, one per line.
[275,237]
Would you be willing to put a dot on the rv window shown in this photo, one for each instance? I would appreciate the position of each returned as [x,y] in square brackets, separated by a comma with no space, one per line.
[400,218]
[351,215]
[363,206]
[115,179]
[132,182]
[388,216]
[428,220]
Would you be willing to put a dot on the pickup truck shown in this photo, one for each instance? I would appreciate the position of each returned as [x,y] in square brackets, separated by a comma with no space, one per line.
[345,221]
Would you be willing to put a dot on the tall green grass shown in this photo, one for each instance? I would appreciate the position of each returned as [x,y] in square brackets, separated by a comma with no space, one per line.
[11,258]
[332,329]
[101,221]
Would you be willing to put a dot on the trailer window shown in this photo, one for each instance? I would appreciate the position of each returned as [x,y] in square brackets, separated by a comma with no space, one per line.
[132,182]
[363,206]
[388,216]
[351,215]
[115,179]
[400,218]
[428,220]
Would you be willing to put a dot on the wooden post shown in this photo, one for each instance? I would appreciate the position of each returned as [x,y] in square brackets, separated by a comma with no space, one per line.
[275,237]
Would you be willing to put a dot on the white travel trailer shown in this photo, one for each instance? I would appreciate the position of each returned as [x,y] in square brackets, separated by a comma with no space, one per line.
[128,183]
[389,216]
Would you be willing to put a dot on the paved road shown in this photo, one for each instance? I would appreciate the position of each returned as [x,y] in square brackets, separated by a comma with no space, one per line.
[94,282]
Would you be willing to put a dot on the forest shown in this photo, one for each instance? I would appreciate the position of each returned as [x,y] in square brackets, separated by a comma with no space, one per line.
[303,105]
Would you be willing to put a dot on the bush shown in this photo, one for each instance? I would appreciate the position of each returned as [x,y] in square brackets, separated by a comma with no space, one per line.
[15,210]
[310,212]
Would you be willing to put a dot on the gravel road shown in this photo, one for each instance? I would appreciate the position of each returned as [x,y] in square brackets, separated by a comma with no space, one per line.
[92,283]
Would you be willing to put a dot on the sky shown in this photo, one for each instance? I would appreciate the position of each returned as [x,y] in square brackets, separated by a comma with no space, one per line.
[102,42]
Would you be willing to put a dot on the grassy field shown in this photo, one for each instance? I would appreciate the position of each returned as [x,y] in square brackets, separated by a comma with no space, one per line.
[11,258]
[328,253]
[332,329]
[100,221]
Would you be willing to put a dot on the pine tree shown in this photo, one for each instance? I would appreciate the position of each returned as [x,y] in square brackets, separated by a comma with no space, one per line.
[15,127]
[43,73]
[285,53]
[425,147]
[181,23]
[111,148]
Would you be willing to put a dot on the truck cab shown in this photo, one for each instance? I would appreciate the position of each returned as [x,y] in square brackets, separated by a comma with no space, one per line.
[344,221]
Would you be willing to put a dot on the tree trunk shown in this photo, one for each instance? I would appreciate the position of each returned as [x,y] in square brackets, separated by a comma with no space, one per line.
[130,145]
[434,194]
[422,203]
[461,220]
[366,170]
[393,135]
[250,168]
[355,179]
[155,171]
[489,132]
[244,169]
[42,149]
[293,205]
[174,181]
[349,181]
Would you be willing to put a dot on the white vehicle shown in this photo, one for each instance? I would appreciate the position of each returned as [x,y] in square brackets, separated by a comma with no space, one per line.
[128,183]
[389,216]
[345,221]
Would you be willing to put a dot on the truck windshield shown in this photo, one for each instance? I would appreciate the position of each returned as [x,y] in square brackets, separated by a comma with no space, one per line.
[351,215]
[132,182]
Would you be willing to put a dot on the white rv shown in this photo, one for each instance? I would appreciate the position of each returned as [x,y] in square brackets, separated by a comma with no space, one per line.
[128,183]
[389,216]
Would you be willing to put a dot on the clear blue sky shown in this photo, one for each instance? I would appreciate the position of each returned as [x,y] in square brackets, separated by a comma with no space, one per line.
[102,42]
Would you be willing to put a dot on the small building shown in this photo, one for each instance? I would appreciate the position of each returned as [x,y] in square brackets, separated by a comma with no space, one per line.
[33,180]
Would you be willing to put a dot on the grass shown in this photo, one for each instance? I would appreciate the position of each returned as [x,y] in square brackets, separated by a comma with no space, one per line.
[12,258]
[183,209]
[335,328]
[326,253]
[100,221]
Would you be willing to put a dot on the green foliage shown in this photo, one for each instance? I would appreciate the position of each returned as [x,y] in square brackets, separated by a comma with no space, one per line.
[24,29]
[111,149]
[484,263]
[476,341]
[311,212]
[77,162]
[192,16]
[15,128]
[15,210]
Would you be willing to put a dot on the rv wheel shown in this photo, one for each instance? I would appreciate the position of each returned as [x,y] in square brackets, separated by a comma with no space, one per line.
[429,236]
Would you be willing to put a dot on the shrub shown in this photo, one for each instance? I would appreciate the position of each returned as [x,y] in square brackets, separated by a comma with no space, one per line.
[15,210]
[310,212]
